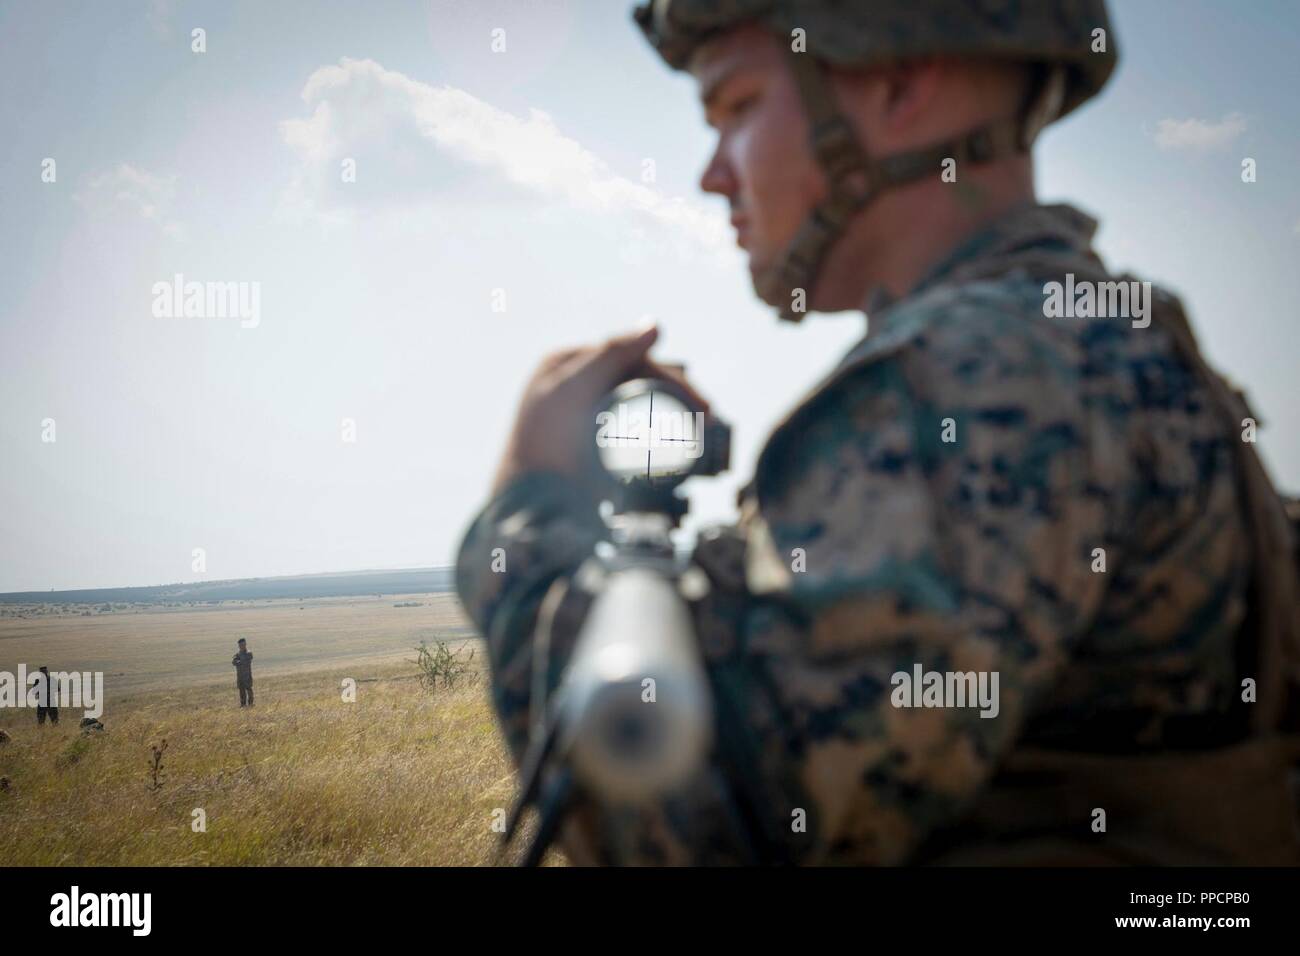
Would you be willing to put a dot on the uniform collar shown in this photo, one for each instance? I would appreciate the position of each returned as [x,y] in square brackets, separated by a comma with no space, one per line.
[1029,225]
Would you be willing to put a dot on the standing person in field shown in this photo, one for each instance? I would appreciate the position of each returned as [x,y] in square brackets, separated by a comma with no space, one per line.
[50,707]
[243,663]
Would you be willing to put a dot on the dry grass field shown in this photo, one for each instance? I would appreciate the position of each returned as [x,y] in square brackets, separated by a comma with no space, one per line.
[401,776]
[165,647]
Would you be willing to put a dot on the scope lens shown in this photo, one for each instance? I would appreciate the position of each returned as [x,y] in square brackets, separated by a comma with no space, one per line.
[649,434]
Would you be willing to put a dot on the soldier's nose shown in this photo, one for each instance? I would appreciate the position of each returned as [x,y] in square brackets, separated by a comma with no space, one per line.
[717,177]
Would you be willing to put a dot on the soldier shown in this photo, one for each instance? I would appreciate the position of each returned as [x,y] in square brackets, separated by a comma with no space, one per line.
[50,707]
[243,662]
[1063,508]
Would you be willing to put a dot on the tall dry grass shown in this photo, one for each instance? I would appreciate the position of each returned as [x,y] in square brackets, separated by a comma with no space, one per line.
[402,777]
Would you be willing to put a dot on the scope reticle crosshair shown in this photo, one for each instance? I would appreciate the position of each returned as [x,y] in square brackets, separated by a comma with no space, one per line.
[649,433]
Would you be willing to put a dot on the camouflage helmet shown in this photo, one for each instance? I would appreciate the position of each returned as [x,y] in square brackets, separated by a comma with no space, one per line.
[869,33]
[1059,36]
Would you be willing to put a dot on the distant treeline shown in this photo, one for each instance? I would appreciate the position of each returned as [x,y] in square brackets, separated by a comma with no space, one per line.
[348,584]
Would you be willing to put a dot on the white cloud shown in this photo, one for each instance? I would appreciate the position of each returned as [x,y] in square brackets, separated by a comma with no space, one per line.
[149,195]
[1198,133]
[359,107]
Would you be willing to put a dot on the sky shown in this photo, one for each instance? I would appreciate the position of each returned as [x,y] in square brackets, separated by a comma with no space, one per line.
[501,204]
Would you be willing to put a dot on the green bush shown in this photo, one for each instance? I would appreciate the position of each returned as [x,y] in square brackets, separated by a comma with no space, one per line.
[443,667]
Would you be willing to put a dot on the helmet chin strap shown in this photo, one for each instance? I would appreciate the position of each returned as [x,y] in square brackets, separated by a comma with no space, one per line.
[855,178]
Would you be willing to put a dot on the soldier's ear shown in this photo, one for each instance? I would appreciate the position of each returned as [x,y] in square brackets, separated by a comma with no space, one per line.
[910,87]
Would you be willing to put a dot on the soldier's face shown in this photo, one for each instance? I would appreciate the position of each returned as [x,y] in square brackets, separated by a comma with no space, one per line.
[762,163]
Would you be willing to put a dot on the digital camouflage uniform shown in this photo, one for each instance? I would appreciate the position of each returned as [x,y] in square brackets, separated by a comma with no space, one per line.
[945,492]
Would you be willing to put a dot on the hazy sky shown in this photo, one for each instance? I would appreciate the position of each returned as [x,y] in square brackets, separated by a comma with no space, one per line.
[482,179]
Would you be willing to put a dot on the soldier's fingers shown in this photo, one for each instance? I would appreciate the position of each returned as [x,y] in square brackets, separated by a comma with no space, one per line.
[655,370]
[598,370]
[558,358]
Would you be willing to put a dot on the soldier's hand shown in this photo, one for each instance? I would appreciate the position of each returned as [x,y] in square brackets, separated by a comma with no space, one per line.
[556,419]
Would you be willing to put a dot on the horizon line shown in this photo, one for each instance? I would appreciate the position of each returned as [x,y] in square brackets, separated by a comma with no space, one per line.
[210,581]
